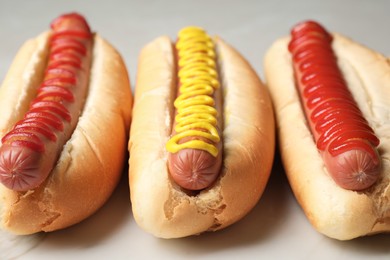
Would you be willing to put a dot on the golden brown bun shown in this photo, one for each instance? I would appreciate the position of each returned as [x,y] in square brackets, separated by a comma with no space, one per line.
[333,211]
[159,205]
[91,162]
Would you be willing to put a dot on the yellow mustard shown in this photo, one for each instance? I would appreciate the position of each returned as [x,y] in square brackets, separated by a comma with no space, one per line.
[198,78]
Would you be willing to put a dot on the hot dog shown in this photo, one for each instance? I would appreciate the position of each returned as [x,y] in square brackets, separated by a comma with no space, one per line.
[229,118]
[329,98]
[58,107]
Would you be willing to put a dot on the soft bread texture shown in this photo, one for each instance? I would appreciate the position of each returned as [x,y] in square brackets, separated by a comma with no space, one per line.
[159,205]
[336,212]
[91,162]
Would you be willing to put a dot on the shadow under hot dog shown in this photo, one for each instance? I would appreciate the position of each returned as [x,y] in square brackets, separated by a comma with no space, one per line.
[369,245]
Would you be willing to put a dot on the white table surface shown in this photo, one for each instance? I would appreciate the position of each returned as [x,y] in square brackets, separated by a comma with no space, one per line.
[276,228]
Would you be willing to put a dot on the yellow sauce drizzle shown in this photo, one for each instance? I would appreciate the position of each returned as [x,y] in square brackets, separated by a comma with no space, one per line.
[196,113]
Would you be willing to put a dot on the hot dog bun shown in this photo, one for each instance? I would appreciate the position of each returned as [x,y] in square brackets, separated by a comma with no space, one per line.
[336,212]
[91,162]
[159,205]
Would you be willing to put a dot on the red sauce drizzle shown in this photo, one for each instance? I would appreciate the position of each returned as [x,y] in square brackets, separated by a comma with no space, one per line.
[48,112]
[339,125]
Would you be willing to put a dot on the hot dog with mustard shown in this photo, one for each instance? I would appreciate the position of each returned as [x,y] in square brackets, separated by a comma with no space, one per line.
[202,136]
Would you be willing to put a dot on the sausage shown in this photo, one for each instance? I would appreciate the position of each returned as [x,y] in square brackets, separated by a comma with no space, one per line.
[195,148]
[30,150]
[346,141]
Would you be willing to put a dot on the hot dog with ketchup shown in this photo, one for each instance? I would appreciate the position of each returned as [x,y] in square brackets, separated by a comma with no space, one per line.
[329,98]
[65,93]
[29,151]
[202,136]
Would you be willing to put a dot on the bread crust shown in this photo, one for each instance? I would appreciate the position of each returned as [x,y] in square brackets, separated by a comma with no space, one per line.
[159,205]
[89,167]
[336,212]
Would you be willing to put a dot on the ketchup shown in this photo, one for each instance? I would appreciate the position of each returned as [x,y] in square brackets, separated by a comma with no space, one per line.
[48,111]
[336,121]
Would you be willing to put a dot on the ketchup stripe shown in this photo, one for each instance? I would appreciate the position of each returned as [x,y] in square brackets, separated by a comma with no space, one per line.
[55,110]
[35,129]
[65,56]
[55,121]
[335,131]
[56,91]
[351,144]
[74,33]
[48,121]
[21,135]
[39,147]
[313,88]
[324,91]
[334,120]
[53,106]
[61,45]
[327,107]
[67,47]
[58,63]
[61,73]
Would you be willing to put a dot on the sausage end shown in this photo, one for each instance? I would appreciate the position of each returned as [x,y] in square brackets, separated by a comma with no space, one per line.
[19,168]
[193,169]
[354,170]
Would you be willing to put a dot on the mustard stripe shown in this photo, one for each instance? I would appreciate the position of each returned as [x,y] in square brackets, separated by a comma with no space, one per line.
[193,144]
[198,77]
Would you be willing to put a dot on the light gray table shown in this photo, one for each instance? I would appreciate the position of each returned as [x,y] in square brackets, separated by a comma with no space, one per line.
[276,228]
